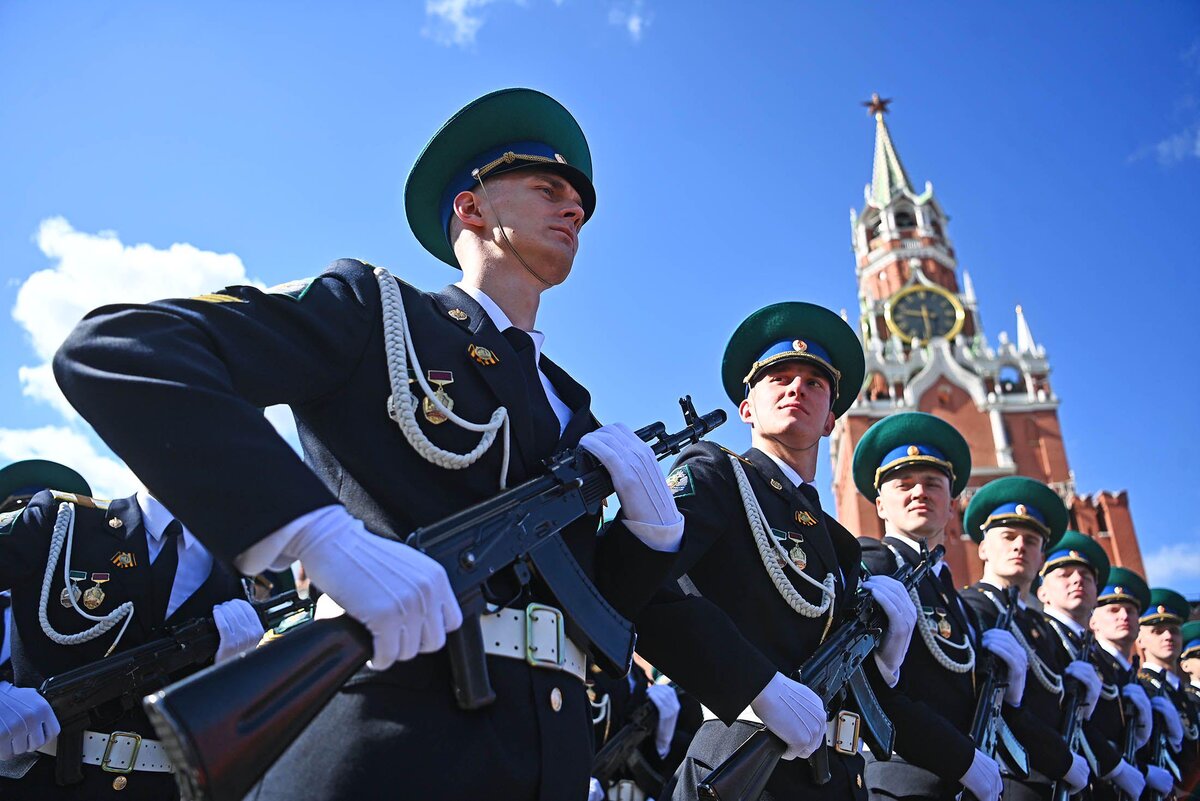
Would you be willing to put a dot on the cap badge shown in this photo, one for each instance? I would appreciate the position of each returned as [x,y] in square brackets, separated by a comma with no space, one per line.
[1118,590]
[799,345]
[1074,555]
[913,450]
[1021,509]
[559,158]
[1162,610]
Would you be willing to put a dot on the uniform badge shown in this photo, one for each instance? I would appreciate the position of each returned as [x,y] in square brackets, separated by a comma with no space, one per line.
[439,378]
[94,596]
[458,314]
[124,560]
[679,482]
[7,519]
[775,485]
[943,624]
[115,522]
[73,591]
[793,543]
[218,297]
[482,355]
[294,290]
[805,518]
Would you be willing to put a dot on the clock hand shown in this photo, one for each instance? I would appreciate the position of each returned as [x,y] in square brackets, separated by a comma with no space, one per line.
[928,326]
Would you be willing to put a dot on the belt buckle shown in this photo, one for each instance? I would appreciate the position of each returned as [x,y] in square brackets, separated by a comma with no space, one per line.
[845,739]
[531,655]
[112,740]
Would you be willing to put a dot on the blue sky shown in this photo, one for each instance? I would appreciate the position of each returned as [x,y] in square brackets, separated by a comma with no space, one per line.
[154,149]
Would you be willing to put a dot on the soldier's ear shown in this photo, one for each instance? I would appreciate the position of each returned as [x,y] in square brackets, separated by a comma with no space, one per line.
[746,411]
[829,421]
[879,507]
[468,211]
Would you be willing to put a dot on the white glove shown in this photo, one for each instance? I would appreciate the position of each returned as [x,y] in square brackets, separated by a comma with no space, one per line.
[1006,647]
[640,485]
[239,627]
[26,720]
[1089,679]
[401,595]
[1142,715]
[1170,717]
[793,713]
[595,791]
[983,778]
[896,604]
[1159,780]
[667,703]
[1077,777]
[1128,778]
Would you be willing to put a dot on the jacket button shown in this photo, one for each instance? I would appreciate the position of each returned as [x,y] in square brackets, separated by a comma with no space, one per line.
[120,783]
[556,699]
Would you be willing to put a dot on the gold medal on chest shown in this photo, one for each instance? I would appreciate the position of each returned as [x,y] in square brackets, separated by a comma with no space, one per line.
[94,596]
[795,549]
[943,624]
[439,378]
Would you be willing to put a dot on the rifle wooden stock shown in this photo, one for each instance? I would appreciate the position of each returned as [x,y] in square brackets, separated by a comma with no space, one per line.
[744,775]
[226,725]
[1070,722]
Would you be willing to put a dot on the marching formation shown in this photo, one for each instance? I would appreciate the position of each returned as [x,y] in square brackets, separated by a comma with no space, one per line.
[469,623]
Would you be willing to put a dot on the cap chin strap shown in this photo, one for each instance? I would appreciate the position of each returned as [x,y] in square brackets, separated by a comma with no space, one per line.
[504,234]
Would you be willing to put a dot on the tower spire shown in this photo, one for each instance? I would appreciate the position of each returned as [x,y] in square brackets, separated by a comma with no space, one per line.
[888,176]
[1025,343]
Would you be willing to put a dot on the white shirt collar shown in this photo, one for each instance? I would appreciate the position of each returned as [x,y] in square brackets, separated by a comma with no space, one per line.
[787,469]
[917,545]
[500,319]
[1167,675]
[1065,619]
[1115,654]
[156,517]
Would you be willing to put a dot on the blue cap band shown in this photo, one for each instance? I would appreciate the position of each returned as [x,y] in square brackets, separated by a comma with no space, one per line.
[1190,645]
[523,154]
[910,454]
[1115,592]
[799,349]
[1017,511]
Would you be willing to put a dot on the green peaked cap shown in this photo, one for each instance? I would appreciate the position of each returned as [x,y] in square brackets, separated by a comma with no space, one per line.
[1124,585]
[1191,640]
[906,439]
[1017,500]
[28,477]
[1079,549]
[1166,606]
[816,328]
[479,132]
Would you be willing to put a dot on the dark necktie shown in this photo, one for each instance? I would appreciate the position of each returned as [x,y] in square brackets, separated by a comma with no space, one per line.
[546,429]
[811,495]
[162,569]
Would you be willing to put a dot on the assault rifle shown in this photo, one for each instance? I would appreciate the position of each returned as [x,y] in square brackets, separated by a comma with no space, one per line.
[624,743]
[119,682]
[834,668]
[988,730]
[1159,754]
[1070,725]
[1129,747]
[224,727]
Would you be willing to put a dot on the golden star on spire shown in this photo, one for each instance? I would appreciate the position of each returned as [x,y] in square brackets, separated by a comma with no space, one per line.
[877,104]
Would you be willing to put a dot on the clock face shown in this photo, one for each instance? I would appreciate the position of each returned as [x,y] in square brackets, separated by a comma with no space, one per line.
[923,313]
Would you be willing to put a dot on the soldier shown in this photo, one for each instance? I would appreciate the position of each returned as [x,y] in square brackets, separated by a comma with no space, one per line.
[913,466]
[1160,641]
[764,570]
[411,406]
[19,482]
[1075,569]
[1189,662]
[1012,548]
[89,578]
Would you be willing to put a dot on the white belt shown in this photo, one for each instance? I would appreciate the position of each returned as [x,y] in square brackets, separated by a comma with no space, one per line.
[534,634]
[841,733]
[120,752]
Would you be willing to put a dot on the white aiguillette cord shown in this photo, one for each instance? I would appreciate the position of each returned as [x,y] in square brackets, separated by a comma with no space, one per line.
[64,530]
[402,406]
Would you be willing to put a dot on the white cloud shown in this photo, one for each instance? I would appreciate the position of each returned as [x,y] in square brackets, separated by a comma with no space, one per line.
[108,477]
[1180,147]
[631,17]
[1174,566]
[92,270]
[452,22]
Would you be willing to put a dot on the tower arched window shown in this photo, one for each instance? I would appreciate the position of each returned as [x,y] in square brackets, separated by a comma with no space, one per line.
[1010,380]
[905,219]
